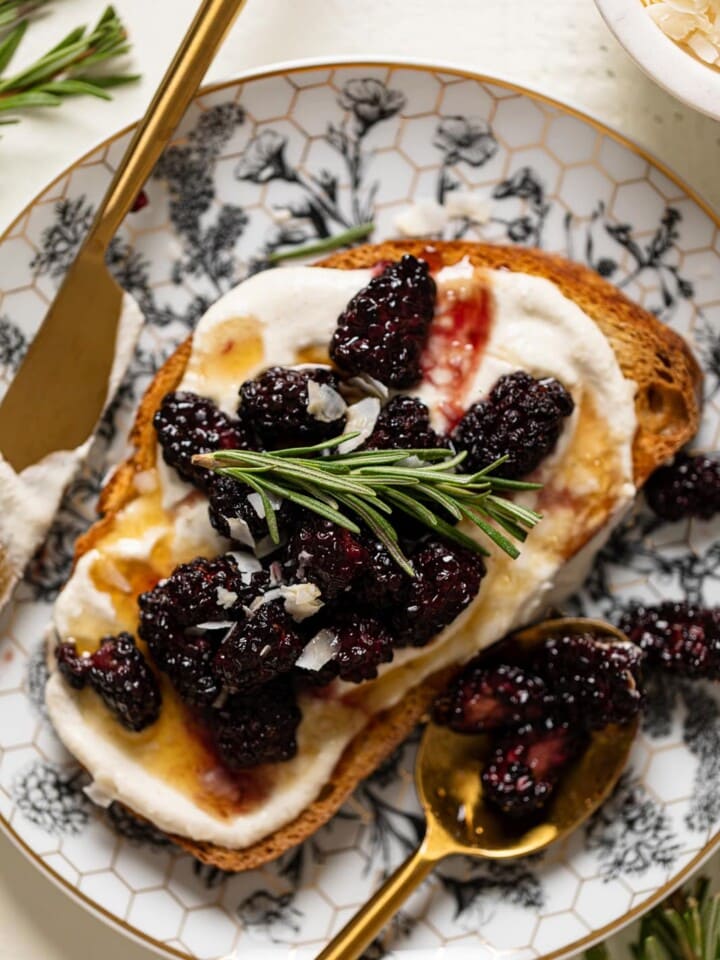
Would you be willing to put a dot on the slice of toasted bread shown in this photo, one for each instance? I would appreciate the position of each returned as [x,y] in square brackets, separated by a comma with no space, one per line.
[667,406]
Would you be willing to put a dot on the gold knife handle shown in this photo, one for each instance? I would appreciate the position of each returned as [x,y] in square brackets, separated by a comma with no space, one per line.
[178,87]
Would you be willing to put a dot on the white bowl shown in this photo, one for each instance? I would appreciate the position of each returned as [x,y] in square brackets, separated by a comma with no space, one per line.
[661,58]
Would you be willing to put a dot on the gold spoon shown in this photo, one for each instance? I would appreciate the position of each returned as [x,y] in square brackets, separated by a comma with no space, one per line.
[447,776]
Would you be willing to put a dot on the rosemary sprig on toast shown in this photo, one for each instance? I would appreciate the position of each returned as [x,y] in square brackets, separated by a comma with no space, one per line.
[370,485]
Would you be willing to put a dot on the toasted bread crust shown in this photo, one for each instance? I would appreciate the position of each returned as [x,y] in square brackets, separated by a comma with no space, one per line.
[668,411]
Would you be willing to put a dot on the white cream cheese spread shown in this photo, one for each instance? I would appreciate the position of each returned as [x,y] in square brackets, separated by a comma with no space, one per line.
[275,318]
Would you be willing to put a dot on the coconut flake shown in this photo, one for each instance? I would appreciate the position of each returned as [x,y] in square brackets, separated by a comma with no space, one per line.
[703,48]
[361,418]
[468,204]
[267,545]
[246,563]
[302,600]
[695,23]
[324,403]
[425,216]
[369,385]
[212,625]
[256,502]
[319,651]
[226,598]
[97,795]
[240,531]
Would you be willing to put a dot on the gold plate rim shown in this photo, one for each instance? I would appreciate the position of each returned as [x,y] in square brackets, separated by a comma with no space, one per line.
[303,66]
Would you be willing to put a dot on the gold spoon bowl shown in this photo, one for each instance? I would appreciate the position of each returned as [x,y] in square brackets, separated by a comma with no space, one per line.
[447,777]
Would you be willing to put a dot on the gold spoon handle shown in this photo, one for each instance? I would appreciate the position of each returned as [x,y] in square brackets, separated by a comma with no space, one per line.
[369,921]
[179,85]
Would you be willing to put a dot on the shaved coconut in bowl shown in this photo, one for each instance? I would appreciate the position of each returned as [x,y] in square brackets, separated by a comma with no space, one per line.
[693,23]
[676,42]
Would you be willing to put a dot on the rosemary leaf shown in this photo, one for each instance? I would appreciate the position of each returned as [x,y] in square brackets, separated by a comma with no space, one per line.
[74,88]
[29,99]
[384,532]
[10,44]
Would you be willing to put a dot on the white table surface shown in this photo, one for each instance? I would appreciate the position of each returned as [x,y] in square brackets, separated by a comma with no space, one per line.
[561,47]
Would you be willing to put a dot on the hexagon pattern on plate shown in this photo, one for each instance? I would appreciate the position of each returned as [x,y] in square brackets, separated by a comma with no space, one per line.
[287,160]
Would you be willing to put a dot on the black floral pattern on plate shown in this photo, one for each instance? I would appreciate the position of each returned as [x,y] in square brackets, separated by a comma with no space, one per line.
[13,345]
[631,832]
[52,797]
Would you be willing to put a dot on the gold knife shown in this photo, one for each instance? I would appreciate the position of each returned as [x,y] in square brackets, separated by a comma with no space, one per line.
[56,398]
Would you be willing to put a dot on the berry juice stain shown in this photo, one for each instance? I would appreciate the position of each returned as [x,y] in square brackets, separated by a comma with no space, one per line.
[458,337]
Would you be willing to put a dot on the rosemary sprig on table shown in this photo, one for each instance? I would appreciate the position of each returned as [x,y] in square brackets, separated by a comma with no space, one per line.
[67,70]
[369,485]
[686,926]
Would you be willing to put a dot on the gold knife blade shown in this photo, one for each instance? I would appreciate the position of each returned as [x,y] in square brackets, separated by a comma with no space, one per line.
[56,397]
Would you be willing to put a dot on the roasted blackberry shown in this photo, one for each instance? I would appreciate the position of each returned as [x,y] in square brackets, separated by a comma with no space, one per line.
[361,644]
[678,637]
[175,615]
[688,487]
[275,406]
[187,424]
[258,649]
[595,682]
[237,512]
[261,728]
[526,765]
[205,591]
[325,554]
[486,698]
[384,328]
[117,671]
[73,667]
[521,419]
[447,577]
[382,581]
[404,424]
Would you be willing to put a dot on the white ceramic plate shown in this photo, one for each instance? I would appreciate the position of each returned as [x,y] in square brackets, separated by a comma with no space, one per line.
[269,161]
[661,58]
